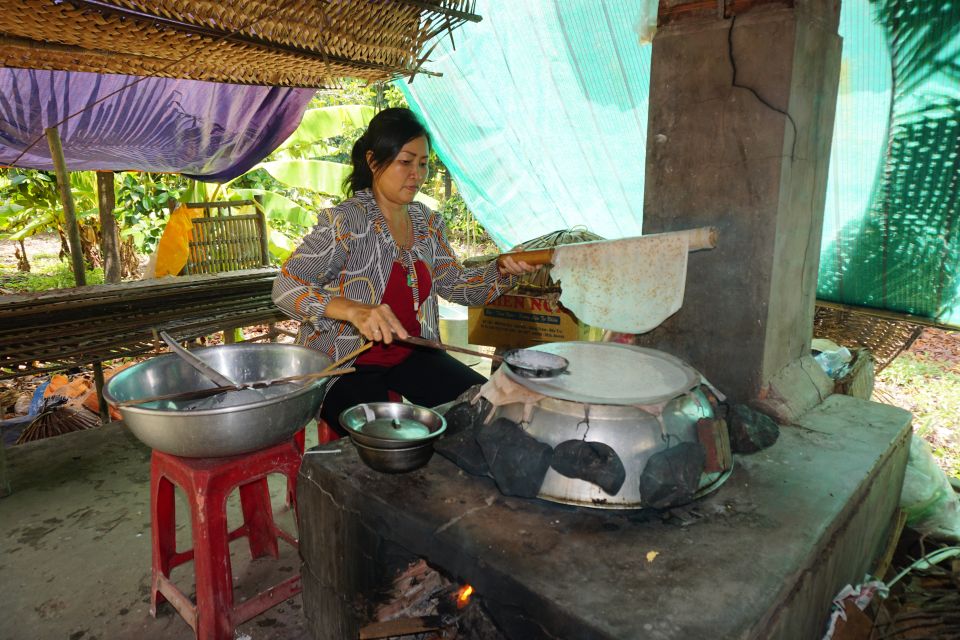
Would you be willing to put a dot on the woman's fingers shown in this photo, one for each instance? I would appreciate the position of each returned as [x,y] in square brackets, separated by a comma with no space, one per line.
[508,265]
[380,324]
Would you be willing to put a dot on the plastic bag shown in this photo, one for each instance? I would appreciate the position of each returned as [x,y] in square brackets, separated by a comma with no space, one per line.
[646,26]
[931,505]
[835,362]
[174,246]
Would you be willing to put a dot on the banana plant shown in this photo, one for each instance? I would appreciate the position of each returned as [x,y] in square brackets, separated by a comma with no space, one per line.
[30,203]
[310,167]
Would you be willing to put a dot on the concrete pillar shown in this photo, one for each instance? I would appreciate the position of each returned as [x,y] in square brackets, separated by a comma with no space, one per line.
[718,155]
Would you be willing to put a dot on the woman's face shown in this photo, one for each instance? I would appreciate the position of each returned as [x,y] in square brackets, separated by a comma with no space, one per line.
[399,181]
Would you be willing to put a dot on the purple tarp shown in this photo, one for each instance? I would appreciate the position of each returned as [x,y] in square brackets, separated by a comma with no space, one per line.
[205,130]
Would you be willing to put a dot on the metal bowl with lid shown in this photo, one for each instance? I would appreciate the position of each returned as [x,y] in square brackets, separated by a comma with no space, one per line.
[393,437]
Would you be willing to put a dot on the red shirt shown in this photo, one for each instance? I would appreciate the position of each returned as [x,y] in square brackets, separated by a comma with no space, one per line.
[399,296]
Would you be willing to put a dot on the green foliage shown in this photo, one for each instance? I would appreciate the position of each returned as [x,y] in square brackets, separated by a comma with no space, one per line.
[464,228]
[49,273]
[322,176]
[142,205]
[929,389]
[29,203]
[322,128]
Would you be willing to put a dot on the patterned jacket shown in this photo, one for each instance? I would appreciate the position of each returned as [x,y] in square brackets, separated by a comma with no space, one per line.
[350,253]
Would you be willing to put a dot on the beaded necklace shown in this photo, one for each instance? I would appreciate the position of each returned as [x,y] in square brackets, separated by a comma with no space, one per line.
[409,263]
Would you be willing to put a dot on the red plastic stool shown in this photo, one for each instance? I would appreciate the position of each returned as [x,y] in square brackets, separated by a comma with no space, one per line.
[324,435]
[207,482]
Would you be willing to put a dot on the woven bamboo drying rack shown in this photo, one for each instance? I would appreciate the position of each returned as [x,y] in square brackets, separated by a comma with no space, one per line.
[294,43]
[885,335]
[51,331]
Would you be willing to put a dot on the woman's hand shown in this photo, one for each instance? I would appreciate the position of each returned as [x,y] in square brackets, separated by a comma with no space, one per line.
[509,266]
[375,322]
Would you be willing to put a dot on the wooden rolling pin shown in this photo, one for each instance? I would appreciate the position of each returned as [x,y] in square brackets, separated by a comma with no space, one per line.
[697,239]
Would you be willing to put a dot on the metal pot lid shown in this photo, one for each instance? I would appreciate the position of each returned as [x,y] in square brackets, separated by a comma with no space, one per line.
[392,425]
[395,429]
[612,373]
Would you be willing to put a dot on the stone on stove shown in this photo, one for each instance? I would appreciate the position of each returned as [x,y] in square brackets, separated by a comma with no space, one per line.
[672,476]
[459,443]
[594,462]
[518,463]
[751,431]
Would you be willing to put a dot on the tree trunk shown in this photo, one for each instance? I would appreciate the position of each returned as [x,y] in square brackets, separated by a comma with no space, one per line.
[109,236]
[89,236]
[23,264]
[129,260]
[69,211]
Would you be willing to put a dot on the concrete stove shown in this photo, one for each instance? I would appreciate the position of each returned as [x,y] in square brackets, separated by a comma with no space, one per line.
[760,558]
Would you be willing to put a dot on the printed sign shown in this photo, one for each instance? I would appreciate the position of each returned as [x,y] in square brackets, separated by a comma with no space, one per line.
[513,322]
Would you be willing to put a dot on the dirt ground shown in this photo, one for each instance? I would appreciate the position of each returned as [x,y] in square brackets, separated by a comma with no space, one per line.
[940,346]
[40,244]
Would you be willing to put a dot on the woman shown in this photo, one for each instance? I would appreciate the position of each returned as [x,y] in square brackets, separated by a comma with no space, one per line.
[372,269]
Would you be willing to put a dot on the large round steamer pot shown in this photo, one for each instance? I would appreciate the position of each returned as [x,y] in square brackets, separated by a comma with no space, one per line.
[224,431]
[634,423]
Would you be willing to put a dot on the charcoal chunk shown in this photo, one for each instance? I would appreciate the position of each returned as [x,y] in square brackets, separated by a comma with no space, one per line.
[518,462]
[751,431]
[594,462]
[672,476]
[465,416]
[459,443]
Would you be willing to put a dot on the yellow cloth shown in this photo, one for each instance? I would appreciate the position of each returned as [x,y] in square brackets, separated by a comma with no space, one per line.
[174,246]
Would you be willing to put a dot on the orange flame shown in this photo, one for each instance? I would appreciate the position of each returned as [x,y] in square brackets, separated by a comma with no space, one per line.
[463,596]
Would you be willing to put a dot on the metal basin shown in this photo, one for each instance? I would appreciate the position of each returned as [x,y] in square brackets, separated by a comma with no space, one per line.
[395,460]
[228,430]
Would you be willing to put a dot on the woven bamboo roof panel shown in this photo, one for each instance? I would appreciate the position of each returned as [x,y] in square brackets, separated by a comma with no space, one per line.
[296,43]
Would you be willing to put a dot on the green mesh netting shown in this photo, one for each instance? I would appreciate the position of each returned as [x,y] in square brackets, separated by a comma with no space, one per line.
[900,251]
[541,116]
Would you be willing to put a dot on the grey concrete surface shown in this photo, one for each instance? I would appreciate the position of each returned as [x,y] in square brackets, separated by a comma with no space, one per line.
[75,546]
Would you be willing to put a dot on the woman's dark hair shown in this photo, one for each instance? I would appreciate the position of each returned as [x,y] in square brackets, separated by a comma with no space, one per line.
[386,134]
